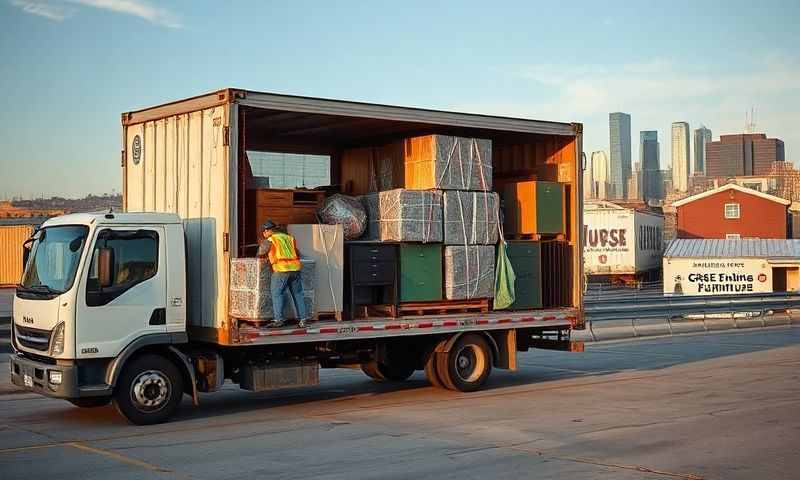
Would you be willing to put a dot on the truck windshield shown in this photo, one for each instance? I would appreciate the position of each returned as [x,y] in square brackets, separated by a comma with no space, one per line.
[53,261]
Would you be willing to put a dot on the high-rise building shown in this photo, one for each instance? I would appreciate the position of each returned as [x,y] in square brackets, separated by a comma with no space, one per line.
[743,154]
[635,184]
[648,159]
[620,161]
[599,188]
[680,156]
[702,136]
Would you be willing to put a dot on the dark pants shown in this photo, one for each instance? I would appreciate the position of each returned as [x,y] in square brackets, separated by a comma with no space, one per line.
[282,282]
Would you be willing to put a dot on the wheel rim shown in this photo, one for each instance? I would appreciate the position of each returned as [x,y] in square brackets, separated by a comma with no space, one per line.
[470,363]
[150,391]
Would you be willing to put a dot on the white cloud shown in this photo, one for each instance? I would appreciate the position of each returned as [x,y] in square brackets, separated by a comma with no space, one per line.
[57,11]
[44,9]
[137,8]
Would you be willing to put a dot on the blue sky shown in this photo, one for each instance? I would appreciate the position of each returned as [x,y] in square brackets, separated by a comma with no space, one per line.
[72,66]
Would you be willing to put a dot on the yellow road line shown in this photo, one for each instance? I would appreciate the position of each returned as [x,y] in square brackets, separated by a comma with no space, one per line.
[119,457]
[31,447]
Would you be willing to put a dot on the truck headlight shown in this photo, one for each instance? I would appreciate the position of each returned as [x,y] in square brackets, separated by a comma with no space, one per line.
[57,342]
[55,377]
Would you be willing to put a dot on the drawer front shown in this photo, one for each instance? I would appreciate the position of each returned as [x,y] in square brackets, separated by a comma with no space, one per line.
[420,273]
[365,273]
[525,250]
[373,253]
[274,198]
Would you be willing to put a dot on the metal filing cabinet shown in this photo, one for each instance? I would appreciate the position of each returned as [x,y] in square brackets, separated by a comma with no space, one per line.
[420,272]
[372,275]
[526,260]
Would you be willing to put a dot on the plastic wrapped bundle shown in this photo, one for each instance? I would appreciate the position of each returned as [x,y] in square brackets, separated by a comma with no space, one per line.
[347,212]
[469,272]
[448,163]
[470,218]
[404,215]
[250,294]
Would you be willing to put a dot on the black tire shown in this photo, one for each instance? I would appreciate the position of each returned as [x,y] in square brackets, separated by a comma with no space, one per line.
[371,370]
[382,372]
[467,365]
[431,373]
[90,402]
[149,390]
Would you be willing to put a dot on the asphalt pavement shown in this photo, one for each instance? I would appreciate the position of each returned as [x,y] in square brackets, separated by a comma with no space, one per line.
[722,405]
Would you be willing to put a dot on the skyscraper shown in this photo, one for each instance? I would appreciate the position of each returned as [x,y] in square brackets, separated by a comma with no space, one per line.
[648,159]
[701,137]
[680,156]
[599,167]
[588,181]
[620,162]
[743,154]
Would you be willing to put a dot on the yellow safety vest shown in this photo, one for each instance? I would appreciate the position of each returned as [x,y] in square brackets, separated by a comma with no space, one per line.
[282,253]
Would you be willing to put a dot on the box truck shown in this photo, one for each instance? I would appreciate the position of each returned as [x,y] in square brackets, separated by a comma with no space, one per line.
[132,307]
[621,244]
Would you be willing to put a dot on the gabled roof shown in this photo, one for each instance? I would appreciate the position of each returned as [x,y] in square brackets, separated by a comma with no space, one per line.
[731,186]
[743,248]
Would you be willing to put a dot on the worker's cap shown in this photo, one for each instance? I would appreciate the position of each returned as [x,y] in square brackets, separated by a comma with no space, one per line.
[269,225]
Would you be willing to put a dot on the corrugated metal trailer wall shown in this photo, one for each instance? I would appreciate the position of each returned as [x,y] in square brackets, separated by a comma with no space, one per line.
[11,239]
[180,164]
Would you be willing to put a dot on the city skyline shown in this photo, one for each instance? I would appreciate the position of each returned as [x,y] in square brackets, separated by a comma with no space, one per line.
[70,75]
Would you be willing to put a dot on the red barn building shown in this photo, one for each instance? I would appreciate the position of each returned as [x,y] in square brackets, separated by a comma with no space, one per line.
[732,211]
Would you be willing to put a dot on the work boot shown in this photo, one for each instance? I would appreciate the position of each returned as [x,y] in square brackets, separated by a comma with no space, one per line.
[303,323]
[275,324]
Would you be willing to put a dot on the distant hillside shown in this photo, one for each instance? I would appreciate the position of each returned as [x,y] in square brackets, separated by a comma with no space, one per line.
[90,203]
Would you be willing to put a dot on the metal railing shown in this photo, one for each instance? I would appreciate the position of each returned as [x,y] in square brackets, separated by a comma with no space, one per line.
[652,305]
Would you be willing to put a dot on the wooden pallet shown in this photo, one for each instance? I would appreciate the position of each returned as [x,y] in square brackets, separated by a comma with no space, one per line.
[443,307]
[535,236]
[323,316]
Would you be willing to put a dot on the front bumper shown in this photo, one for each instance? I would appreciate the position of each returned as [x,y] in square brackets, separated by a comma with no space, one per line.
[34,376]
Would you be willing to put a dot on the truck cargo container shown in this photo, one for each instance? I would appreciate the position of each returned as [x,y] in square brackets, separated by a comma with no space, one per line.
[621,244]
[84,331]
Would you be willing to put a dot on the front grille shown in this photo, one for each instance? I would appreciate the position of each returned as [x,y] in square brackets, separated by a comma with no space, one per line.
[33,338]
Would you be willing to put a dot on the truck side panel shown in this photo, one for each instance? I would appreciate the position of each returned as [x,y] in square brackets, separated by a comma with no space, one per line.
[179,164]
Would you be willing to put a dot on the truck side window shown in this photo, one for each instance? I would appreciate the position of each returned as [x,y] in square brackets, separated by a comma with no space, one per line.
[134,260]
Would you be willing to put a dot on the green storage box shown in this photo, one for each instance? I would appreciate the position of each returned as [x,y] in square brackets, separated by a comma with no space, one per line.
[420,272]
[526,259]
[533,207]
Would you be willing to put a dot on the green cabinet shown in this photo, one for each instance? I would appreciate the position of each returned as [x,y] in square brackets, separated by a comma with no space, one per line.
[420,272]
[550,207]
[526,260]
[533,207]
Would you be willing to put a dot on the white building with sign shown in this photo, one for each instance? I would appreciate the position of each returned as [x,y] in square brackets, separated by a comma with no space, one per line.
[730,267]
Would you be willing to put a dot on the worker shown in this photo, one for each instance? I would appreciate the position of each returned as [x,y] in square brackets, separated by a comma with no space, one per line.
[284,258]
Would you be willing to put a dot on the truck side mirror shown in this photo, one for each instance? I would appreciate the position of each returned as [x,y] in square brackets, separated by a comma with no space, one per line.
[105,267]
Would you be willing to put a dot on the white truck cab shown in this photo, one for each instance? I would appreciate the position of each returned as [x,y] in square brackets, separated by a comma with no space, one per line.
[95,286]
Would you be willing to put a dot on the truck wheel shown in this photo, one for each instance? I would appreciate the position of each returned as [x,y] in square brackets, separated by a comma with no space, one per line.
[467,365]
[430,371]
[381,371]
[90,402]
[149,390]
